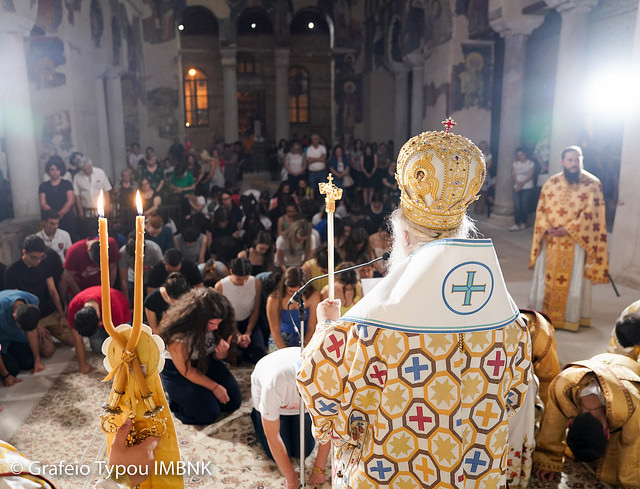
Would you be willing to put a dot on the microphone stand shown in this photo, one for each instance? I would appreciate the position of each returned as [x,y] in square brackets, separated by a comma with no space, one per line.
[298,297]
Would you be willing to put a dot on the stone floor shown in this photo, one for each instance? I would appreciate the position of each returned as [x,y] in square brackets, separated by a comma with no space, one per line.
[513,251]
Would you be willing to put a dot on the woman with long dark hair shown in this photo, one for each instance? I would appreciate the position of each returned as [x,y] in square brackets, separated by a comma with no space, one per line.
[197,331]
[284,319]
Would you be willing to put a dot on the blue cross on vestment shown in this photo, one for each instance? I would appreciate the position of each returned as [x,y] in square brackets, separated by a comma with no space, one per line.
[381,470]
[475,461]
[324,407]
[469,288]
[416,369]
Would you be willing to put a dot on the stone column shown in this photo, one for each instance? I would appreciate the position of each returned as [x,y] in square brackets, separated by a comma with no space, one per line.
[624,248]
[282,93]
[568,116]
[230,83]
[17,114]
[101,156]
[417,92]
[401,107]
[115,118]
[515,32]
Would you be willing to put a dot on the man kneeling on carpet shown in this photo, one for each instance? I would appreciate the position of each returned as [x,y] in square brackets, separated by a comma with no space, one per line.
[598,400]
[85,319]
[276,415]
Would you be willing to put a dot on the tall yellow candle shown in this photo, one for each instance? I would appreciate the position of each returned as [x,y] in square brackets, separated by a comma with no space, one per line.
[103,235]
[138,278]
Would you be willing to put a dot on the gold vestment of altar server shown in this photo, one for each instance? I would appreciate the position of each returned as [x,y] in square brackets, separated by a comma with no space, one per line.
[544,351]
[579,209]
[619,378]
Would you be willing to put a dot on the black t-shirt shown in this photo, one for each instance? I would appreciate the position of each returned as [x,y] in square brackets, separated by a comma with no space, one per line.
[156,303]
[56,195]
[34,280]
[159,274]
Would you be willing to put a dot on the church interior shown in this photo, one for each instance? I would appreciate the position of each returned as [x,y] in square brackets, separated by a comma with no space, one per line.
[219,78]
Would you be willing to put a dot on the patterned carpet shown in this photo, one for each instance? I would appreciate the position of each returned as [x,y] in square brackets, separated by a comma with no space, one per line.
[64,427]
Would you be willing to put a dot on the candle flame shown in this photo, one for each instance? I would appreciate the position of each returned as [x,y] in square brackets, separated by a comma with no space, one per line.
[101,205]
[139,202]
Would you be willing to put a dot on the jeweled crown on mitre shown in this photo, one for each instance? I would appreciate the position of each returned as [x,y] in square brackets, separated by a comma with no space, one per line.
[439,174]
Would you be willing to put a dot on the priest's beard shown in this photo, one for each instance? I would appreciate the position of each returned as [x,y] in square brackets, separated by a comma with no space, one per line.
[572,177]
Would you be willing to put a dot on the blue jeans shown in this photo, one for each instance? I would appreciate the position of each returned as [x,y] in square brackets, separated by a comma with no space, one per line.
[193,404]
[289,432]
[522,202]
[256,349]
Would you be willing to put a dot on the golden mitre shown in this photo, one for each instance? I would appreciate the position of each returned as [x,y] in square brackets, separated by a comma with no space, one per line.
[439,175]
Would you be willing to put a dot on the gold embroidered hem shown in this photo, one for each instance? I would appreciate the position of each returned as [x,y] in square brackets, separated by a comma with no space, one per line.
[559,265]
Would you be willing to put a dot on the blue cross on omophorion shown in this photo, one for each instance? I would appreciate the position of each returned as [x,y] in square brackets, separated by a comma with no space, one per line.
[469,288]
[381,470]
[475,461]
[330,407]
[416,369]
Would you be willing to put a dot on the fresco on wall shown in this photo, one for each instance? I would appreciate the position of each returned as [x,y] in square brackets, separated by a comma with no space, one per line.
[280,12]
[438,24]
[161,25]
[8,6]
[56,133]
[162,104]
[97,22]
[130,100]
[472,78]
[228,24]
[44,56]
[433,93]
[348,93]
[49,15]
[72,6]
[347,28]
[477,13]
[413,26]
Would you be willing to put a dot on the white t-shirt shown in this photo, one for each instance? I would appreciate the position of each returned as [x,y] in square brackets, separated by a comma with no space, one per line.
[273,384]
[88,187]
[522,169]
[60,242]
[295,162]
[295,258]
[319,152]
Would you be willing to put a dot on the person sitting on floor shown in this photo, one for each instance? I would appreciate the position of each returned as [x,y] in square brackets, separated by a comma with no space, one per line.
[594,409]
[276,415]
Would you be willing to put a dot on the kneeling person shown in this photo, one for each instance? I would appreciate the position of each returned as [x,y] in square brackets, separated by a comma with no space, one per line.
[598,400]
[85,319]
[276,415]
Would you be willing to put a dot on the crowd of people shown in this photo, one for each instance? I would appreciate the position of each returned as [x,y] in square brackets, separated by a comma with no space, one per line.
[221,266]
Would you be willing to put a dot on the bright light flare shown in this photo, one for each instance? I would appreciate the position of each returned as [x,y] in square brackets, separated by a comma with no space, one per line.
[311,25]
[612,94]
[101,205]
[254,25]
[138,202]
[192,72]
[181,27]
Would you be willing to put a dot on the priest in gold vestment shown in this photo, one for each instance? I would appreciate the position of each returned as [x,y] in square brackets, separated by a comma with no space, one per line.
[602,396]
[414,385]
[569,248]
